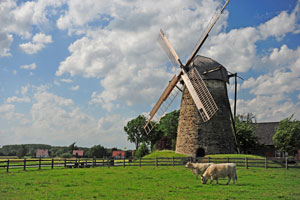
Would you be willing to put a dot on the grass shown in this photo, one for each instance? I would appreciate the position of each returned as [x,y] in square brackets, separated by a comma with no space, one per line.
[235,156]
[146,183]
[164,154]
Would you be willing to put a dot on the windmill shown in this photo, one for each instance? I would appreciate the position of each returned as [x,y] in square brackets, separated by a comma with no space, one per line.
[198,105]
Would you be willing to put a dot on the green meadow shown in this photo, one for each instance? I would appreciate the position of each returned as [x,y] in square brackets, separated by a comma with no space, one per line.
[146,183]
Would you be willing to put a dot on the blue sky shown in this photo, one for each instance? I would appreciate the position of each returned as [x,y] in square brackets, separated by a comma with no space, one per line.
[77,71]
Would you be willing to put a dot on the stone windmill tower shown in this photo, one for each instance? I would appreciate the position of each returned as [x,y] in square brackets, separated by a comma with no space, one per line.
[204,122]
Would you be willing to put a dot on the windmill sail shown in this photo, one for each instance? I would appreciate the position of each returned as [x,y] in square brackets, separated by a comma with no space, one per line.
[204,101]
[163,103]
[205,34]
[168,49]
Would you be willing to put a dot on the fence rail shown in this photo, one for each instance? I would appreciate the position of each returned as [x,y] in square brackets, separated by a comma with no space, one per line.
[12,164]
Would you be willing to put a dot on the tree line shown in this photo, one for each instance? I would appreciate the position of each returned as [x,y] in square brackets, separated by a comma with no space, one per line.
[29,150]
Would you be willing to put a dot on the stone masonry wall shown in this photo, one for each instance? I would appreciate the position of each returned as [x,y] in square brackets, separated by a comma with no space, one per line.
[216,135]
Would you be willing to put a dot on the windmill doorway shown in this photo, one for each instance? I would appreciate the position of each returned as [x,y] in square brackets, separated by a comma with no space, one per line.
[200,152]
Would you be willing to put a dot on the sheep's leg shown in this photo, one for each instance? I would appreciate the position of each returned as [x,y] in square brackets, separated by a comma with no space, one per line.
[217,180]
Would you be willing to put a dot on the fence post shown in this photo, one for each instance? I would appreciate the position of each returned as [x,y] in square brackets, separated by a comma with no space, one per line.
[40,163]
[124,162]
[286,163]
[52,163]
[103,160]
[266,163]
[156,162]
[7,167]
[65,164]
[86,163]
[24,164]
[140,162]
[208,159]
[94,161]
[246,162]
[108,162]
[227,159]
[173,161]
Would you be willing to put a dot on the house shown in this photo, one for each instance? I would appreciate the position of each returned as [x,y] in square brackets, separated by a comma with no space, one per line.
[118,154]
[265,132]
[42,153]
[78,153]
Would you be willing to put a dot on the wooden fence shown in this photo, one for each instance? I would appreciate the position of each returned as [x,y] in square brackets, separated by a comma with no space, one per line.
[26,164]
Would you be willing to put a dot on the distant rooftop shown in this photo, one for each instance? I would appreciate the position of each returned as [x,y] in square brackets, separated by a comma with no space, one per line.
[265,131]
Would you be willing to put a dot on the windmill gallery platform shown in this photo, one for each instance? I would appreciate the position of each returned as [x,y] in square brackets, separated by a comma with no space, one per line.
[195,137]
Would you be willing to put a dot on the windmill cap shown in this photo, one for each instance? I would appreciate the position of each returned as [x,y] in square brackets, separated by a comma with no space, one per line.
[210,69]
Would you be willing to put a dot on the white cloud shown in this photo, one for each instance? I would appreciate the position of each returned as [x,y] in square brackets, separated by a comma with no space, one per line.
[281,24]
[66,80]
[272,91]
[5,42]
[7,112]
[75,88]
[37,44]
[125,55]
[18,99]
[237,48]
[23,98]
[20,20]
[57,120]
[6,108]
[29,67]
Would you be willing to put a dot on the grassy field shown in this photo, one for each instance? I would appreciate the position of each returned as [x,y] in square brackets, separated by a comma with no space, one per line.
[146,183]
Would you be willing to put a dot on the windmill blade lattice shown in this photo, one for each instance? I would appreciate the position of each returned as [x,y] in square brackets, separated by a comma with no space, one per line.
[209,106]
[163,108]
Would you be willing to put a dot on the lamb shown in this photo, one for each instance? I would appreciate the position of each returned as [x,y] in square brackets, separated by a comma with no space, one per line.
[197,168]
[216,171]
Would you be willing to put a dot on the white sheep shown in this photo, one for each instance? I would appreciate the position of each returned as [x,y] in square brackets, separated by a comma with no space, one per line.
[216,171]
[197,168]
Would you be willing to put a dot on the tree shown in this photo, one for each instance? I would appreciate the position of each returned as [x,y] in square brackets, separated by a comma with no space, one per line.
[72,147]
[97,151]
[22,151]
[142,150]
[245,127]
[287,135]
[135,130]
[168,125]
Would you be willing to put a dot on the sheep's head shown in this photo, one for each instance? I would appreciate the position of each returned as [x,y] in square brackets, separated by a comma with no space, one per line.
[203,179]
[189,165]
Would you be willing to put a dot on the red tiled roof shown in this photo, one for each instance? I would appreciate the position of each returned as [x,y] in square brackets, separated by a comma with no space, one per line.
[78,152]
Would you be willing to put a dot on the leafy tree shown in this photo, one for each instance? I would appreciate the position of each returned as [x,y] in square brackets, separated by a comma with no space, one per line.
[97,151]
[142,150]
[66,155]
[245,132]
[168,125]
[22,151]
[135,130]
[72,147]
[287,135]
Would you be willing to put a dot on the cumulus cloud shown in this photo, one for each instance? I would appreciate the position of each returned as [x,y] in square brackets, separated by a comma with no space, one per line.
[23,99]
[237,48]
[28,67]
[124,54]
[66,80]
[5,42]
[75,88]
[272,90]
[39,42]
[19,18]
[58,120]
